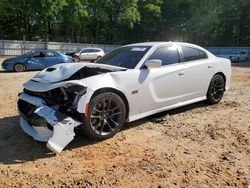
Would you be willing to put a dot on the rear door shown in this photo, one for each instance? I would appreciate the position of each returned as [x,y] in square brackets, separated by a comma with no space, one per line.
[199,71]
[166,85]
[52,58]
[93,54]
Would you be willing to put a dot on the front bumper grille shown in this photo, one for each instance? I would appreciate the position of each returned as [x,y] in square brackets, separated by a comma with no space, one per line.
[52,97]
[27,111]
[36,94]
[34,112]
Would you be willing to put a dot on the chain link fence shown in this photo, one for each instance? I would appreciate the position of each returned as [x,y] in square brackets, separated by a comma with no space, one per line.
[15,47]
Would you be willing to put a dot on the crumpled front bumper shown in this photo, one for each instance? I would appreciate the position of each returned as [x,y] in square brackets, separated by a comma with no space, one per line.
[61,130]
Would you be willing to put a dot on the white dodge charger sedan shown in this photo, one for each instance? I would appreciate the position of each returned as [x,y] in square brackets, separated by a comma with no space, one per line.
[129,83]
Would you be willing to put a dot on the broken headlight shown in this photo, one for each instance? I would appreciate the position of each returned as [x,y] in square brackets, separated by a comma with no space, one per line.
[75,88]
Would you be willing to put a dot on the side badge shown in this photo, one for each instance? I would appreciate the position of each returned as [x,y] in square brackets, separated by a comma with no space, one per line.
[134,92]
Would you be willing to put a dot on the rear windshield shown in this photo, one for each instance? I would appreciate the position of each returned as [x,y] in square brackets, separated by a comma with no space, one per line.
[127,57]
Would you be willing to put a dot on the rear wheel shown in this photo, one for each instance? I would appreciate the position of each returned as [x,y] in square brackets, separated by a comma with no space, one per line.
[76,59]
[216,89]
[99,57]
[106,116]
[19,67]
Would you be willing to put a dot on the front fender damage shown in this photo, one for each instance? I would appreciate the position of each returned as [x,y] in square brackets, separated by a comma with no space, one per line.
[62,132]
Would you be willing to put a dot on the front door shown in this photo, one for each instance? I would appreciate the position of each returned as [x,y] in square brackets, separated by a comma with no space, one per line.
[166,85]
[37,61]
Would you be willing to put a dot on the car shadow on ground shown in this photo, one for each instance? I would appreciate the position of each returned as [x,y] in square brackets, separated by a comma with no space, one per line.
[4,71]
[241,64]
[156,118]
[17,147]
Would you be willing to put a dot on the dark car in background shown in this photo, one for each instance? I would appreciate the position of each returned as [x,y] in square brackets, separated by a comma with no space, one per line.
[35,60]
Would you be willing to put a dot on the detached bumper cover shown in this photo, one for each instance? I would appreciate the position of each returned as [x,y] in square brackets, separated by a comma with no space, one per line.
[62,132]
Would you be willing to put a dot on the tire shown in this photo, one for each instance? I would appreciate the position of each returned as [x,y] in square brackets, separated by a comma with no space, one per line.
[76,59]
[216,89]
[106,116]
[99,57]
[19,67]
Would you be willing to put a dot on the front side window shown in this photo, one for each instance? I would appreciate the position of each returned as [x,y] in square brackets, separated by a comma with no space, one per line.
[168,55]
[191,54]
[38,54]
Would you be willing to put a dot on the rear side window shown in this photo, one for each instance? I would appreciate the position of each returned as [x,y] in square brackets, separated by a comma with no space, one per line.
[92,50]
[191,54]
[168,55]
[86,51]
[96,50]
[52,54]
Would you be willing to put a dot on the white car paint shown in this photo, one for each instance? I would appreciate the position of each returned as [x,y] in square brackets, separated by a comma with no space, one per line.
[90,53]
[147,91]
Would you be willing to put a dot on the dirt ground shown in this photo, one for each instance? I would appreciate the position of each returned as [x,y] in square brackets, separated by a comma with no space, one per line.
[198,146]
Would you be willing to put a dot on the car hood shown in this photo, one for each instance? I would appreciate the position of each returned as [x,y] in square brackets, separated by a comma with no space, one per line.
[14,59]
[72,71]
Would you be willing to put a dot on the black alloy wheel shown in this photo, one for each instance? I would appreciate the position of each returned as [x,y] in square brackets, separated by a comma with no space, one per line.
[216,89]
[106,116]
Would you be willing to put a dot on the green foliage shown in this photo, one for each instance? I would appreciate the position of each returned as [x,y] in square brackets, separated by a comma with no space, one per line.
[210,23]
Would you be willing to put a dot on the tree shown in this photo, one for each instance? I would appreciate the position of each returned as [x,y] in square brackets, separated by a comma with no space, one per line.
[213,22]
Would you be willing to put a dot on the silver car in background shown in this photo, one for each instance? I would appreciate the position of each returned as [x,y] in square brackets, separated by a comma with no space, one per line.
[88,54]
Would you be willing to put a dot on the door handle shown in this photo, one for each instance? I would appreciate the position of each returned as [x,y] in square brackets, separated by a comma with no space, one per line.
[181,73]
[209,66]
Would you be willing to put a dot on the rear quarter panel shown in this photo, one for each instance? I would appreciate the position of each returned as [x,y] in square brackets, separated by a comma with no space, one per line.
[223,65]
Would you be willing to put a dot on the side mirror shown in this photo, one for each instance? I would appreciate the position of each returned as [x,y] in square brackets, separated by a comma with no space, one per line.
[153,63]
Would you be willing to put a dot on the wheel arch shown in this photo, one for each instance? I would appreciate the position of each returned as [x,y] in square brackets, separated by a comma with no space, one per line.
[223,76]
[118,92]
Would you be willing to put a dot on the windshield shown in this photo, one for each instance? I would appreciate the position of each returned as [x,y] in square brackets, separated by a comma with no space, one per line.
[27,54]
[78,51]
[127,56]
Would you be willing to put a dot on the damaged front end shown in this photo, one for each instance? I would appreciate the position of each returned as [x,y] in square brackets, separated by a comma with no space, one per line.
[55,101]
[51,116]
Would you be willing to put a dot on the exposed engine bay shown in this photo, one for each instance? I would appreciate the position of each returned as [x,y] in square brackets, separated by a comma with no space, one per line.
[50,115]
[63,99]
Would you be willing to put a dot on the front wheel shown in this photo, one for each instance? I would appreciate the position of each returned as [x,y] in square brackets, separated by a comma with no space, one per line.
[216,89]
[19,67]
[106,116]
